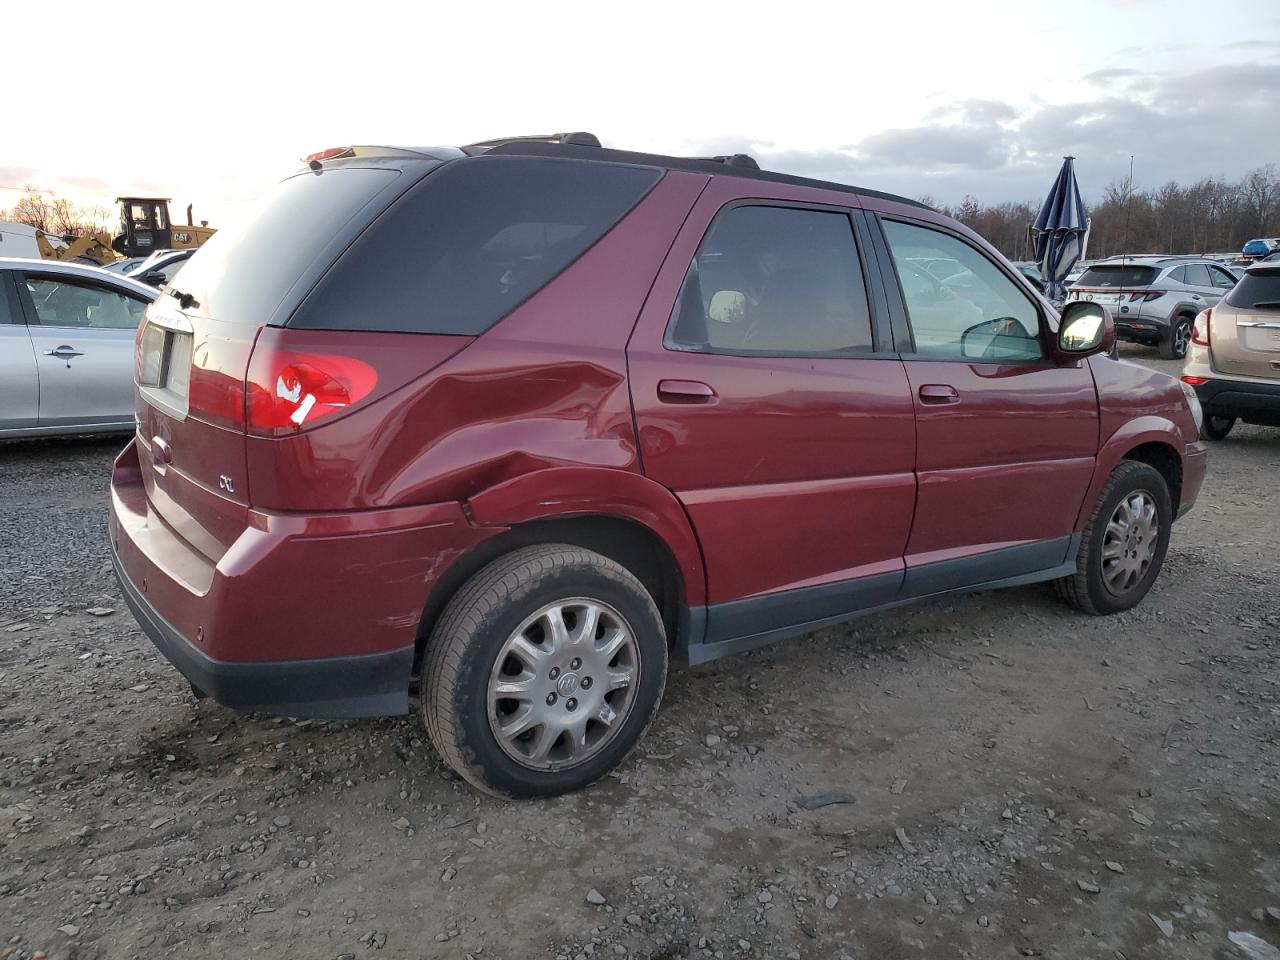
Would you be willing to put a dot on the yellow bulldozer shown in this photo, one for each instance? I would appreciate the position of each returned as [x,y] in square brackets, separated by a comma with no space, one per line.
[144,228]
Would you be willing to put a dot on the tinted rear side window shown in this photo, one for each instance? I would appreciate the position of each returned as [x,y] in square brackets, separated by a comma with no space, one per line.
[1117,276]
[1257,291]
[471,242]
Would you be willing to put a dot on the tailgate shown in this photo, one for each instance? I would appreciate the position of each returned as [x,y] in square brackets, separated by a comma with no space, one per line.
[192,455]
[1246,344]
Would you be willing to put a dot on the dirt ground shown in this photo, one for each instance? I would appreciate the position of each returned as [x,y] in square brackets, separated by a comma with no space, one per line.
[1026,781]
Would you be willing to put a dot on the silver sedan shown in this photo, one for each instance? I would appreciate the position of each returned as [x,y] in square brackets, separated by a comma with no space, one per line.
[66,348]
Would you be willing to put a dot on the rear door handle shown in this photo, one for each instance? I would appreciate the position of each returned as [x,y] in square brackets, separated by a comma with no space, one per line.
[685,391]
[63,352]
[938,393]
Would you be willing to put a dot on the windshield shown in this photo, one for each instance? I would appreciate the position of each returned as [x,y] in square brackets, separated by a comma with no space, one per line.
[242,274]
[1117,275]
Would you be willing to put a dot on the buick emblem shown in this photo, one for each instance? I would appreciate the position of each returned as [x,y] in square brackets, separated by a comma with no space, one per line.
[567,685]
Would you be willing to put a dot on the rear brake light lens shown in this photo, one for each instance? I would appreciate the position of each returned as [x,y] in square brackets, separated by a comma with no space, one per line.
[331,154]
[1200,330]
[1145,295]
[288,391]
[1195,381]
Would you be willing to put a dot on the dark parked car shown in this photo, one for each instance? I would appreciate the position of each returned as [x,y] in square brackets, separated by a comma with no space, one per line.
[508,427]
[161,267]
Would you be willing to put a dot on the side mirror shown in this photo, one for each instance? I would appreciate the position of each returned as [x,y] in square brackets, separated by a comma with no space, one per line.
[153,277]
[1084,329]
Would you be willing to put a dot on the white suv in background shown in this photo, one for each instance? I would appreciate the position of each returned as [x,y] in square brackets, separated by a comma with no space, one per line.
[1154,299]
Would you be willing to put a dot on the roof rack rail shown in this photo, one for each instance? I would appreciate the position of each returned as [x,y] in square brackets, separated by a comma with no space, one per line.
[579,137]
[738,160]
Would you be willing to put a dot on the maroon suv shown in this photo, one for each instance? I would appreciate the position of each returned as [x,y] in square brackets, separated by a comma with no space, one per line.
[512,425]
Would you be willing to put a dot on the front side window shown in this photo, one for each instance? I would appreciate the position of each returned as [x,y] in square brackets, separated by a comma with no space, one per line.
[775,281]
[1221,278]
[974,313]
[63,303]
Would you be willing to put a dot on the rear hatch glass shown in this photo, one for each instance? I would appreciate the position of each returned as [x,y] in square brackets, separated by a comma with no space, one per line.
[244,272]
[1117,275]
[1257,290]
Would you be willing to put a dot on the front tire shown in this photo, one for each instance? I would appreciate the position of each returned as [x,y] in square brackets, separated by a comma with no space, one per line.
[1124,543]
[543,672]
[1216,428]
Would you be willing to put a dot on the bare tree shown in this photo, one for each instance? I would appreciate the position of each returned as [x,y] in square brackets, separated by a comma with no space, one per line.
[56,215]
[1209,216]
[31,209]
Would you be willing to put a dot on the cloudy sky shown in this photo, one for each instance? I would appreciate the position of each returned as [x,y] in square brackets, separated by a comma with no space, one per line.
[211,102]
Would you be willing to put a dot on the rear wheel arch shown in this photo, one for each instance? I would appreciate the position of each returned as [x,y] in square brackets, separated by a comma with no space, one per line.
[625,541]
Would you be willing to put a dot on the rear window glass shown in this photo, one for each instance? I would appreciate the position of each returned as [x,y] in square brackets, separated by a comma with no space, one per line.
[471,242]
[1257,291]
[1117,276]
[243,272]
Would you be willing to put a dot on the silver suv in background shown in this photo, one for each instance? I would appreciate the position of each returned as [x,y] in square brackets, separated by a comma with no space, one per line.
[1154,299]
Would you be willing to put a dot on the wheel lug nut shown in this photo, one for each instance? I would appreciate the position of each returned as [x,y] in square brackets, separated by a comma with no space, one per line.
[575,664]
[586,683]
[571,703]
[551,699]
[555,672]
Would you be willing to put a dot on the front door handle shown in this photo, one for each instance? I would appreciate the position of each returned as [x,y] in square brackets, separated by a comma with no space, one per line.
[685,391]
[63,352]
[938,393]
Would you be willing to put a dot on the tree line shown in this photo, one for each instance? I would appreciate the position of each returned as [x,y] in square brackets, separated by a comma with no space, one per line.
[57,215]
[1212,215]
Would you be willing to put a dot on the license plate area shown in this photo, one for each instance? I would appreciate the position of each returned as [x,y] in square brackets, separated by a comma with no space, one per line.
[163,367]
[1262,339]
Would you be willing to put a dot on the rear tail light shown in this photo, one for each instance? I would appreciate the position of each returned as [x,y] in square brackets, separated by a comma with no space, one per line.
[1200,329]
[289,391]
[1195,381]
[1145,295]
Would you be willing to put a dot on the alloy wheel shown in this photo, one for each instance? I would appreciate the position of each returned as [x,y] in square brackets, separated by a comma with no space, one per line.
[563,684]
[1181,338]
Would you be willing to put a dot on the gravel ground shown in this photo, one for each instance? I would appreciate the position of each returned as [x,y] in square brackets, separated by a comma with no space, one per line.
[1023,780]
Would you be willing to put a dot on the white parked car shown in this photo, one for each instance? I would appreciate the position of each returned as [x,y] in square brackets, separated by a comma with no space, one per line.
[66,348]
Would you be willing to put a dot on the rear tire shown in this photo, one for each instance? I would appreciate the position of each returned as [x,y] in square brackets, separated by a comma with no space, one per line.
[1174,347]
[531,665]
[1124,543]
[1216,428]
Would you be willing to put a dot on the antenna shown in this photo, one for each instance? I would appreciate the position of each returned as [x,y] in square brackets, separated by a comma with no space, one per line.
[1128,212]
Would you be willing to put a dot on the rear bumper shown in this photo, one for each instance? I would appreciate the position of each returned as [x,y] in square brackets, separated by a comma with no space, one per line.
[359,685]
[303,615]
[1135,328]
[1249,400]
